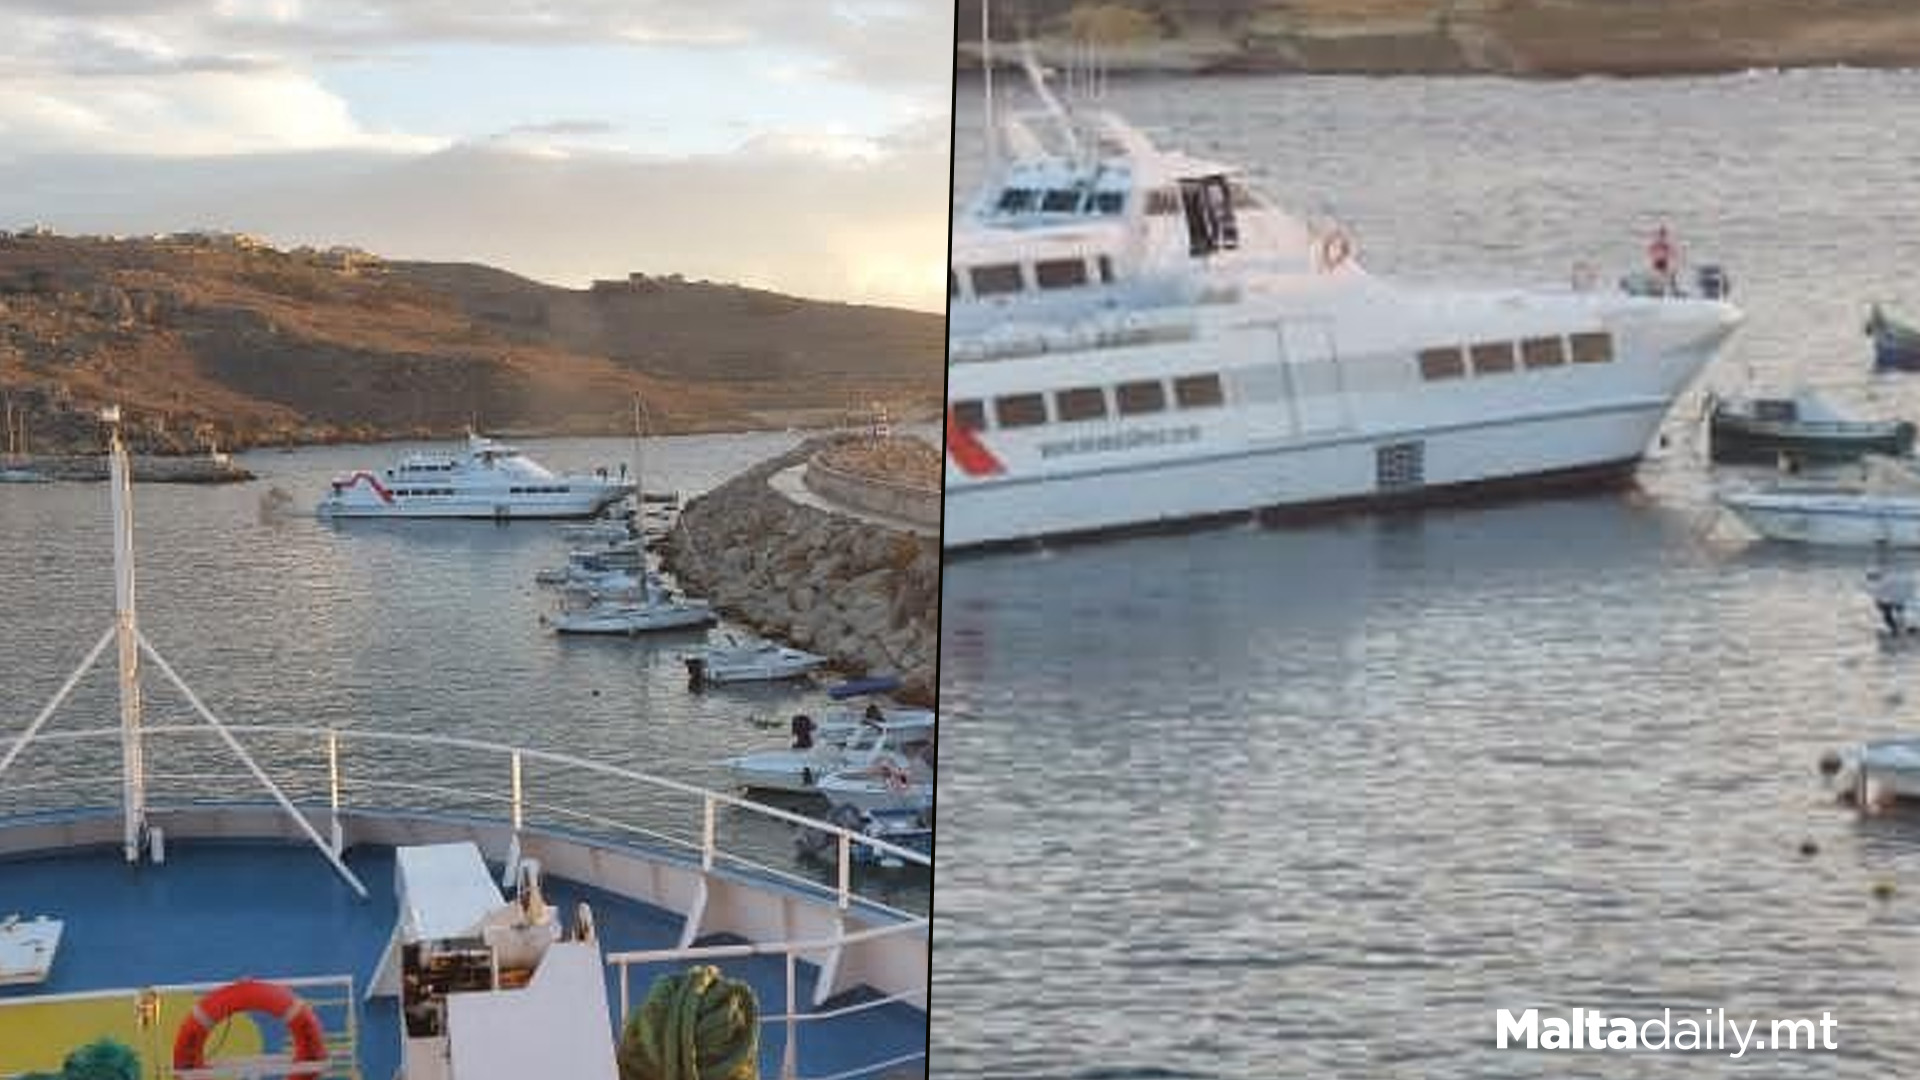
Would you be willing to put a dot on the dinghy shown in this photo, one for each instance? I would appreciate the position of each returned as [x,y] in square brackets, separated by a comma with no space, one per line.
[1896,345]
[1802,429]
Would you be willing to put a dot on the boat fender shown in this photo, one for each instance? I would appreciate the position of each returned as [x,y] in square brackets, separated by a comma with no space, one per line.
[251,995]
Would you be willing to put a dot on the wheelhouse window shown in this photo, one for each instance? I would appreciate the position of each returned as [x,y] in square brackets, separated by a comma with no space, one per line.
[1543,352]
[1060,201]
[1109,203]
[1442,363]
[996,280]
[1020,410]
[1198,392]
[1060,273]
[1080,403]
[1592,348]
[1138,398]
[970,415]
[1492,357]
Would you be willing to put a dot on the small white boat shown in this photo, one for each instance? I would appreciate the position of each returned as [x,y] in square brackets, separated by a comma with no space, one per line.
[800,770]
[23,476]
[1885,771]
[736,659]
[1881,510]
[609,530]
[648,607]
[884,785]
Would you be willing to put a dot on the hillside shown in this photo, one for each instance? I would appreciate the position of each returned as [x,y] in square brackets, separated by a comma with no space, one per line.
[1544,38]
[217,337]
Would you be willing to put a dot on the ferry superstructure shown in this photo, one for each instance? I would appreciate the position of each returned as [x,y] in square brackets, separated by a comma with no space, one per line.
[250,900]
[1140,337]
[491,479]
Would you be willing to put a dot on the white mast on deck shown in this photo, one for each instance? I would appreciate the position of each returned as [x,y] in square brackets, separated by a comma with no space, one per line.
[126,629]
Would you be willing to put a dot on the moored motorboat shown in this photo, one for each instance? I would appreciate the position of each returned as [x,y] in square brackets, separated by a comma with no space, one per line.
[1881,510]
[734,659]
[1896,345]
[800,769]
[1802,429]
[648,607]
[23,476]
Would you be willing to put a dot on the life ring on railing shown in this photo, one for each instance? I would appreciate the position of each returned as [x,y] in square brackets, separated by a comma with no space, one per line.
[1335,247]
[251,995]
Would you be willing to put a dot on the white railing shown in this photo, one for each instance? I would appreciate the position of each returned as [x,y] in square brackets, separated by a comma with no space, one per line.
[330,996]
[792,1018]
[338,771]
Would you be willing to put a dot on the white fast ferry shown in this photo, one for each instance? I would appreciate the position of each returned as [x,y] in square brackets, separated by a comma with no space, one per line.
[1140,337]
[491,480]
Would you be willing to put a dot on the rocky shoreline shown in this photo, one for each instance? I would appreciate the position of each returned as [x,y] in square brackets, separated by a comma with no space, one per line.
[864,595]
[147,468]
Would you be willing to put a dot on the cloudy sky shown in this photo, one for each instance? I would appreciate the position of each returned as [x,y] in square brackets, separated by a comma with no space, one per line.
[799,145]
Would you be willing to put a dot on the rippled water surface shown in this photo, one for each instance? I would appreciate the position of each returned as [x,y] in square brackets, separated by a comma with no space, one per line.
[1316,802]
[403,626]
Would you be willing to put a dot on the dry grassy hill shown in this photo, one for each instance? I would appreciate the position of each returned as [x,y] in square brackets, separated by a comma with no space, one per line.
[1518,37]
[213,337]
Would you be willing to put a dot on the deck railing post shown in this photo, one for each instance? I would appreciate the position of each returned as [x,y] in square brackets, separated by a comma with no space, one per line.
[790,1060]
[333,789]
[709,840]
[846,869]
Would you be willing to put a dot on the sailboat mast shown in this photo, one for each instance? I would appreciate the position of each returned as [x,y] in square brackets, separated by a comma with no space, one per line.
[133,772]
[639,460]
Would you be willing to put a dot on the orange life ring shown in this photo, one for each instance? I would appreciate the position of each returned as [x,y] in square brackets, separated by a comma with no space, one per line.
[1336,247]
[251,995]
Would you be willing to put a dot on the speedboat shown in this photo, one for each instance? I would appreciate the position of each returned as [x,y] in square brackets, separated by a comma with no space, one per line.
[909,827]
[417,905]
[1802,429]
[1139,337]
[734,659]
[1882,509]
[649,608]
[22,476]
[489,480]
[886,784]
[898,739]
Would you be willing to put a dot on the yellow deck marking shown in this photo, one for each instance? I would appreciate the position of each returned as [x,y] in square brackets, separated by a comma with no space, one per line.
[38,1036]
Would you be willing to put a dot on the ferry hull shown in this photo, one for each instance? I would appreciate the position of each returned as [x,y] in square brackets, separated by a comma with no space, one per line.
[508,507]
[1497,459]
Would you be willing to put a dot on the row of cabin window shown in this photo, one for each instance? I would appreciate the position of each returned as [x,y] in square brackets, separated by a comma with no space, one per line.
[446,466]
[1001,279]
[1060,201]
[1499,357]
[540,490]
[424,491]
[1091,403]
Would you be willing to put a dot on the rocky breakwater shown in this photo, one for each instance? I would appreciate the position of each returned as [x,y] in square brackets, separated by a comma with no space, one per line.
[865,595]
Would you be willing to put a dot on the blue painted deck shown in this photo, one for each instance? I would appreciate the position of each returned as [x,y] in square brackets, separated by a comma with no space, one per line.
[221,910]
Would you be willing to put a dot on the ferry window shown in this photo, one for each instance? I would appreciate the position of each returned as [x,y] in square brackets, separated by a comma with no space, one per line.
[1109,203]
[1442,363]
[1198,392]
[1543,352]
[1060,202]
[1592,348]
[1163,202]
[970,415]
[1135,398]
[1060,273]
[1493,357]
[1020,410]
[1080,403]
[1015,200]
[997,279]
[1106,270]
